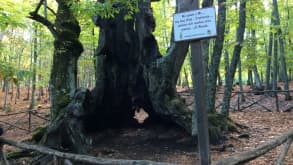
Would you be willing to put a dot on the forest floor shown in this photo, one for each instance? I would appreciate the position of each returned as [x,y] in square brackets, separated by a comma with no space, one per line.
[165,144]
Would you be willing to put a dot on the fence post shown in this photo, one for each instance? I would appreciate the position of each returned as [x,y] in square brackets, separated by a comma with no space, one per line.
[29,120]
[238,102]
[277,101]
[3,159]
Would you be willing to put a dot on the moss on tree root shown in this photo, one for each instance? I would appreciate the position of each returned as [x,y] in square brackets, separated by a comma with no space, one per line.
[39,133]
[218,125]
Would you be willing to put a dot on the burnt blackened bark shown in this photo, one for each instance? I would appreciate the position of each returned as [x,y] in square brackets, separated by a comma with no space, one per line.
[161,77]
[125,48]
[132,74]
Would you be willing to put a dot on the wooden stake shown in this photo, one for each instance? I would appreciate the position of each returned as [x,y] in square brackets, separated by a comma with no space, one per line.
[200,102]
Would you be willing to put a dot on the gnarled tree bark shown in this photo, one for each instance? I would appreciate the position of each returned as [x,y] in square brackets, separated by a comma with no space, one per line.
[131,72]
[67,49]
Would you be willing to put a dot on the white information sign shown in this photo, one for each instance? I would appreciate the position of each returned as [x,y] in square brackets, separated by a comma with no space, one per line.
[195,24]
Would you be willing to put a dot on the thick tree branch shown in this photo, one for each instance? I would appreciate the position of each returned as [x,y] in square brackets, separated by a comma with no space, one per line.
[252,154]
[35,16]
[76,157]
[175,57]
[284,152]
[39,6]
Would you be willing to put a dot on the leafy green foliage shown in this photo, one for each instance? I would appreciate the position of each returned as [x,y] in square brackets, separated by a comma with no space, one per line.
[16,32]
[12,13]
[107,9]
[7,72]
[163,12]
[10,73]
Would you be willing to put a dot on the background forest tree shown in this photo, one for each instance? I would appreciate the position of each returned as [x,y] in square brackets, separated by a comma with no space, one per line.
[265,59]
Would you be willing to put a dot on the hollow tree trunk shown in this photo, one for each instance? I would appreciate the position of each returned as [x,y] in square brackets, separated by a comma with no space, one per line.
[132,74]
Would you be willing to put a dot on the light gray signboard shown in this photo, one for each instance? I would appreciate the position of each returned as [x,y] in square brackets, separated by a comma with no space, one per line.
[195,24]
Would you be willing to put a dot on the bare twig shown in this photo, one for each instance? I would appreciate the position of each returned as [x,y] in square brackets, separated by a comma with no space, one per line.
[39,6]
[52,11]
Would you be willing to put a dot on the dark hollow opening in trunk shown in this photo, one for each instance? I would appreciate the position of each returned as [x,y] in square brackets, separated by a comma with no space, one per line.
[131,112]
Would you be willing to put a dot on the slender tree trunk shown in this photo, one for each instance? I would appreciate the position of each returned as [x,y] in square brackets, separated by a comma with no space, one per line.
[227,63]
[241,95]
[186,78]
[205,44]
[1,85]
[276,63]
[257,79]
[261,78]
[6,89]
[249,77]
[34,69]
[216,57]
[166,35]
[283,74]
[235,59]
[39,76]
[18,83]
[268,62]
[28,83]
[252,45]
[67,49]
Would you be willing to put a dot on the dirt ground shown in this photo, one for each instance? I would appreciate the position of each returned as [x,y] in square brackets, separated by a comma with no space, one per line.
[163,143]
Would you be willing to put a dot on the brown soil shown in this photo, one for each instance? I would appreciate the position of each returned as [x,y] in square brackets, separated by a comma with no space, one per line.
[163,143]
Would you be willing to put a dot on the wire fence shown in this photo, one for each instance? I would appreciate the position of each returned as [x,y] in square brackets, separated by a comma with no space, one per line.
[241,100]
[25,122]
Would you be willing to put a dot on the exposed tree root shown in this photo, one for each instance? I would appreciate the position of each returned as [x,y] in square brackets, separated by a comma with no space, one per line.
[218,125]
